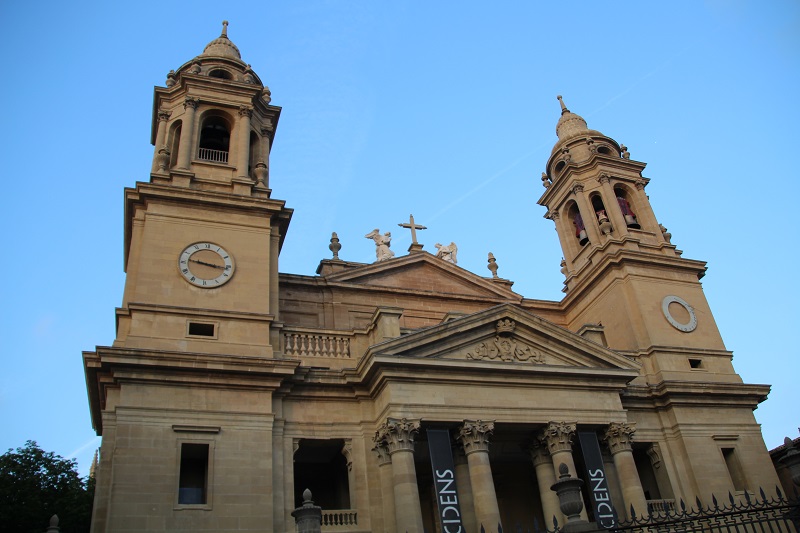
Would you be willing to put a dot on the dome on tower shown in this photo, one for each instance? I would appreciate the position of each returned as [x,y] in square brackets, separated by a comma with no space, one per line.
[571,125]
[222,46]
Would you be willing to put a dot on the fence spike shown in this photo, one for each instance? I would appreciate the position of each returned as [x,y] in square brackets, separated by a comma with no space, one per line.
[714,500]
[683,505]
[747,496]
[633,513]
[555,523]
[763,495]
[482,530]
[730,497]
[499,528]
[778,490]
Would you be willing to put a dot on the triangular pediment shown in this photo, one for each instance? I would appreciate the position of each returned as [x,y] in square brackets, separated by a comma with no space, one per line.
[505,334]
[426,273]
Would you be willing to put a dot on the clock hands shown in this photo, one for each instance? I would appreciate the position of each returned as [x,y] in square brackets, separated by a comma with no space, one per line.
[212,265]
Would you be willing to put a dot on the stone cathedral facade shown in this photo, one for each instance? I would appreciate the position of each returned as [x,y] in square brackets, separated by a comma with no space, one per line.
[231,387]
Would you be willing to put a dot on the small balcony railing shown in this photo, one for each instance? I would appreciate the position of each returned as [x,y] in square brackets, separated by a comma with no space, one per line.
[339,519]
[215,156]
[660,507]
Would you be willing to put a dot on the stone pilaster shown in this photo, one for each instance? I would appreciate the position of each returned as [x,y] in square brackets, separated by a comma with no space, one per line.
[619,439]
[243,134]
[387,489]
[187,132]
[545,477]
[398,434]
[474,437]
[161,134]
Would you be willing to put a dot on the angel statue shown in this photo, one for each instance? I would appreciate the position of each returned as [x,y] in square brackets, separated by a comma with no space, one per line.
[382,243]
[448,252]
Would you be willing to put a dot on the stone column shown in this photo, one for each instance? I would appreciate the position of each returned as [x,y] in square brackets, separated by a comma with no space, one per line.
[558,436]
[619,437]
[398,436]
[161,133]
[266,135]
[589,218]
[464,487]
[545,477]
[387,489]
[474,437]
[612,206]
[563,235]
[243,133]
[644,212]
[187,132]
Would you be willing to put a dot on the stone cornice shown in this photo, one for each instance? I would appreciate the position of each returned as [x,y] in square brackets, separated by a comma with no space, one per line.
[700,394]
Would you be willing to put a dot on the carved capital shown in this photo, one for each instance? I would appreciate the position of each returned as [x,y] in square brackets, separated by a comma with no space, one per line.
[619,437]
[347,451]
[640,185]
[245,111]
[604,178]
[577,188]
[397,434]
[382,451]
[163,116]
[539,453]
[267,129]
[557,436]
[474,435]
[191,102]
[553,215]
[654,453]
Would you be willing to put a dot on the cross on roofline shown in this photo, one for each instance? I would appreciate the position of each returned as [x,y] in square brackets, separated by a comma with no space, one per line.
[413,227]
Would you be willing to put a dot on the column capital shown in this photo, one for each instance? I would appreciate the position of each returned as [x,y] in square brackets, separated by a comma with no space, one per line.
[577,188]
[474,435]
[163,116]
[640,184]
[604,177]
[557,436]
[245,111]
[382,453]
[539,453]
[553,215]
[191,102]
[397,434]
[619,437]
[347,451]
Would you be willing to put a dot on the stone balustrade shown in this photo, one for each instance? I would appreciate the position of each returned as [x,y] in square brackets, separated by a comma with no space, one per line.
[339,519]
[301,344]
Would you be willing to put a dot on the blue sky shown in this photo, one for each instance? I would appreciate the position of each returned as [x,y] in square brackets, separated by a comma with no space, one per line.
[446,111]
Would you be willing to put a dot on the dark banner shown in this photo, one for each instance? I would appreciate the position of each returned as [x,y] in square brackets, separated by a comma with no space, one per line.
[444,480]
[597,481]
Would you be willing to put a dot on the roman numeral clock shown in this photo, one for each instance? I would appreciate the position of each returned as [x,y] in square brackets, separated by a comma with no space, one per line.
[206,265]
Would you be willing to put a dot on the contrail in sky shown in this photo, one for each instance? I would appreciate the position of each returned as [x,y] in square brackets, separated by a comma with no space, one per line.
[545,144]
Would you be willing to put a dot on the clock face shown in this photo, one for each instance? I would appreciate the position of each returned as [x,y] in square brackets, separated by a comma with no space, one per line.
[687,326]
[206,265]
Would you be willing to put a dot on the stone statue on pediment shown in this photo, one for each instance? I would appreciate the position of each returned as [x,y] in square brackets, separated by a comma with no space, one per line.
[447,252]
[382,243]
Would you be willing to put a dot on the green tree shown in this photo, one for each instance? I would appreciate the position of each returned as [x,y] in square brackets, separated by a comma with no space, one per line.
[34,485]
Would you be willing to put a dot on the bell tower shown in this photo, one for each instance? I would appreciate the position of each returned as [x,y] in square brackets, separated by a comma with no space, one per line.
[202,237]
[622,270]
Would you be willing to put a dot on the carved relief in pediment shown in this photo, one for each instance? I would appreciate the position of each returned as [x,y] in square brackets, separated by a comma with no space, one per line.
[505,347]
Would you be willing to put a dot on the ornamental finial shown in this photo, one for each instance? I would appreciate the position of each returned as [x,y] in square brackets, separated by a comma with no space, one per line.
[563,106]
[224,29]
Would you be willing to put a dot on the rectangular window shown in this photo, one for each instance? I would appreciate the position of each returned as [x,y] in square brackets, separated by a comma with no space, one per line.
[193,481]
[201,329]
[734,468]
